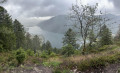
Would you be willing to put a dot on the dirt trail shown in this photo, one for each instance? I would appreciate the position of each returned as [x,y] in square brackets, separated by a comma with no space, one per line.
[113,68]
[36,69]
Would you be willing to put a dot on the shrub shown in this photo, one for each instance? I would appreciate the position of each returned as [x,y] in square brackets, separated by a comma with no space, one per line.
[36,60]
[2,59]
[57,71]
[37,54]
[13,63]
[52,54]
[20,56]
[97,62]
[12,60]
[1,69]
[44,55]
[1,48]
[30,52]
[68,50]
[119,70]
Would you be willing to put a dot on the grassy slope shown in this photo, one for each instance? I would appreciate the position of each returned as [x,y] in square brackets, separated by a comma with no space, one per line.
[94,61]
[91,62]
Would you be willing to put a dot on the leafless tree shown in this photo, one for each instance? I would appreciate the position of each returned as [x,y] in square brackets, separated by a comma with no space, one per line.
[87,22]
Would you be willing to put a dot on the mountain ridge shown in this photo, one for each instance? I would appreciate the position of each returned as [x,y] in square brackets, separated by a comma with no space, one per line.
[58,24]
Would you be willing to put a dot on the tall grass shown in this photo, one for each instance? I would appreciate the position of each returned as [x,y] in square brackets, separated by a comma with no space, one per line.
[92,61]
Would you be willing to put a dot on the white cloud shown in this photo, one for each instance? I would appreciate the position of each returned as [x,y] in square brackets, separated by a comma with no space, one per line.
[32,21]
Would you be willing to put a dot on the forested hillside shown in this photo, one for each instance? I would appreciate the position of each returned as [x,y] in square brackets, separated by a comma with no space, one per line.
[88,44]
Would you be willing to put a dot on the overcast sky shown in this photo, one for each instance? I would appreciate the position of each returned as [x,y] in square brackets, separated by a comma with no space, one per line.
[31,12]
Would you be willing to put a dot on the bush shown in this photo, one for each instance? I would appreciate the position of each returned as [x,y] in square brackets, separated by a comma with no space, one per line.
[57,71]
[30,52]
[52,54]
[36,60]
[13,63]
[44,55]
[68,50]
[77,52]
[12,60]
[98,62]
[38,54]
[94,63]
[1,48]
[119,70]
[20,56]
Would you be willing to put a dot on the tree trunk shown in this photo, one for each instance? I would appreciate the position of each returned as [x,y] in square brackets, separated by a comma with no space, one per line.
[84,47]
[90,44]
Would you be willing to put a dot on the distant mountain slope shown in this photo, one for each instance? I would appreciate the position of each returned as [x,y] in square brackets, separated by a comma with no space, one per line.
[54,38]
[52,28]
[57,23]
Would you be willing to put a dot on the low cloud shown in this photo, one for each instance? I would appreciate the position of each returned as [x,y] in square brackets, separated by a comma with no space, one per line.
[29,12]
[116,3]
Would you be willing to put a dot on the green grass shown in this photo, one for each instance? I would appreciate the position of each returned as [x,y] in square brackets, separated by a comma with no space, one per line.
[105,56]
[51,64]
[108,47]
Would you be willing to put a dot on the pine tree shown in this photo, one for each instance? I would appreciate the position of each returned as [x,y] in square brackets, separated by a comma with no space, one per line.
[5,19]
[48,47]
[106,36]
[7,37]
[28,41]
[43,46]
[68,50]
[70,38]
[19,33]
[36,41]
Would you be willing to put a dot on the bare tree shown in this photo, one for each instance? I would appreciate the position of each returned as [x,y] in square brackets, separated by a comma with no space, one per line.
[87,22]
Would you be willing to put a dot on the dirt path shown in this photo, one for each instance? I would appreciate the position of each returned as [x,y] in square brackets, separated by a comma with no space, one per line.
[113,68]
[36,69]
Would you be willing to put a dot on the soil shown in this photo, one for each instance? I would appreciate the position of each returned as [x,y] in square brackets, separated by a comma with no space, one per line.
[112,68]
[30,69]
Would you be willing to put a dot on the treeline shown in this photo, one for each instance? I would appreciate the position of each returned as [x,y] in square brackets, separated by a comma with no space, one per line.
[13,35]
[93,35]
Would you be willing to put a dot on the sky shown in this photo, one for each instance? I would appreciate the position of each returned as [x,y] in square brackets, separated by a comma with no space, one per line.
[32,12]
